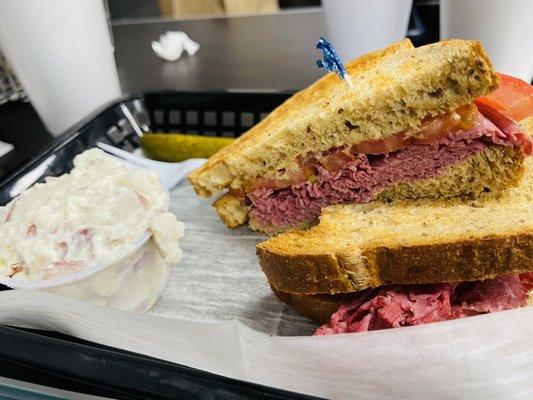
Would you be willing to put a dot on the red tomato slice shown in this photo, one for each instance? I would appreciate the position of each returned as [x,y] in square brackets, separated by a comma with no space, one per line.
[389,144]
[334,162]
[514,98]
[435,128]
[527,280]
[301,174]
[431,130]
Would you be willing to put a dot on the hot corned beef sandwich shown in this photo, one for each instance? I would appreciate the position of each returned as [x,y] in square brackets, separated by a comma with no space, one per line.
[376,266]
[434,122]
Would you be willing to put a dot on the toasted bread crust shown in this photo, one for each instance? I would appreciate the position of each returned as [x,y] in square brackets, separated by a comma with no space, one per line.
[466,260]
[231,211]
[394,89]
[463,260]
[315,307]
[307,273]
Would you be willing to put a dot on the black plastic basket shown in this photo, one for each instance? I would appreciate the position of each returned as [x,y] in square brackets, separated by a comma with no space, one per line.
[58,360]
[121,123]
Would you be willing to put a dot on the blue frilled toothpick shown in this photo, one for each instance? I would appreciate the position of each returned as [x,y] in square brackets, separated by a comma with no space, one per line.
[331,61]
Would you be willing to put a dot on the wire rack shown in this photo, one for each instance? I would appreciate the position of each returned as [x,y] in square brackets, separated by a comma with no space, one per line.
[10,88]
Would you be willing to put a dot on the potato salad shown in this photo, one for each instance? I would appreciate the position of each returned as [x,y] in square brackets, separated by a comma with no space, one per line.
[89,217]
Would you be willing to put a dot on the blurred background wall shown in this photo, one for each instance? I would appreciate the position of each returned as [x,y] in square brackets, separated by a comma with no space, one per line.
[423,26]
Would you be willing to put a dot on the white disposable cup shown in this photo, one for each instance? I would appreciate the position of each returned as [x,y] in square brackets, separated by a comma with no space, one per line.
[61,52]
[356,27]
[504,27]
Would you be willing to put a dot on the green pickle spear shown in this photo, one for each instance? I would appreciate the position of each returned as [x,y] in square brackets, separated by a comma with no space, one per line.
[174,147]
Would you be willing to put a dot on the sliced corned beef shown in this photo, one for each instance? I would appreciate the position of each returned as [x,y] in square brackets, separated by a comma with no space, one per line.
[407,305]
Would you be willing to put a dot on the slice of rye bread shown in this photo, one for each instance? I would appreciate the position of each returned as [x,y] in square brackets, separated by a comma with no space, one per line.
[487,173]
[393,90]
[317,307]
[369,245]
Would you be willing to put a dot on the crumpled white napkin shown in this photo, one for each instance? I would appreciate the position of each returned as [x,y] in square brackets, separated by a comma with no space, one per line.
[171,44]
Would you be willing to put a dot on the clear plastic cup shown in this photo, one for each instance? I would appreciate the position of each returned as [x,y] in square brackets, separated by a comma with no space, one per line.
[134,281]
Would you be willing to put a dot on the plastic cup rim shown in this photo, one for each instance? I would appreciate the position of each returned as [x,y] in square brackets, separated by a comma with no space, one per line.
[75,276]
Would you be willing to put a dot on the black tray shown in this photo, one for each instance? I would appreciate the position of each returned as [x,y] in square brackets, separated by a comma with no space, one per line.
[61,361]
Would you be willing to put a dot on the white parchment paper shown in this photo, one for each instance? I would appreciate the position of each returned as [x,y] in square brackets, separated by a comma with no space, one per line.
[219,278]
[219,315]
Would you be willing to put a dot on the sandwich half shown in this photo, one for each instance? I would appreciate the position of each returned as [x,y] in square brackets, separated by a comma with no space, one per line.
[410,127]
[377,266]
